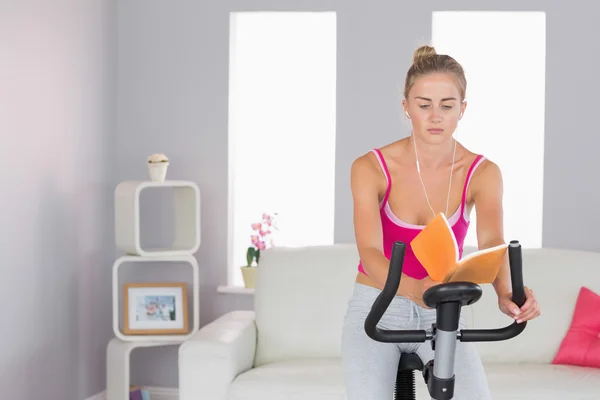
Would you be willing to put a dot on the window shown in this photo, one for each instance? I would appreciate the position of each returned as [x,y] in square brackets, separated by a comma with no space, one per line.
[503,54]
[282,115]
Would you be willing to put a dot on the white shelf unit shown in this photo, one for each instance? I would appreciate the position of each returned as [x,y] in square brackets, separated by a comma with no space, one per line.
[117,293]
[186,214]
[118,366]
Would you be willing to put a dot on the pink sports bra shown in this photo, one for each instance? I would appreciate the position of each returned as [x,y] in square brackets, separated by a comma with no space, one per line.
[395,229]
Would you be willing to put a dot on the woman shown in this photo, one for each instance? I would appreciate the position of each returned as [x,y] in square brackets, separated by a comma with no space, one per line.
[396,191]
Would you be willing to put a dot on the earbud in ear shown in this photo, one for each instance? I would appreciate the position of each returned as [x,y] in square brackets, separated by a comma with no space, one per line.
[407,115]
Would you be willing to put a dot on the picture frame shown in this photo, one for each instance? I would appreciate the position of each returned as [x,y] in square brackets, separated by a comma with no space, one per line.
[158,308]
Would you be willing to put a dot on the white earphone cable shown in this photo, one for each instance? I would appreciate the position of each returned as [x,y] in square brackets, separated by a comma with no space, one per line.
[421,178]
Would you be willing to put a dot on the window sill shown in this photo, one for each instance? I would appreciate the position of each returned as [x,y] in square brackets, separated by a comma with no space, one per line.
[235,290]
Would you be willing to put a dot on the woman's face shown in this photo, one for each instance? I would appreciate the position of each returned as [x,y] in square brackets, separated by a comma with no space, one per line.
[435,107]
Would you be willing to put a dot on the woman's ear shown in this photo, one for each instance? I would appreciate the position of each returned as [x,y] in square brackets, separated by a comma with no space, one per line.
[463,106]
[405,106]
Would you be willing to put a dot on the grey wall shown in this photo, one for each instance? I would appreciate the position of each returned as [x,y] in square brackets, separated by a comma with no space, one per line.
[173,98]
[63,153]
[57,142]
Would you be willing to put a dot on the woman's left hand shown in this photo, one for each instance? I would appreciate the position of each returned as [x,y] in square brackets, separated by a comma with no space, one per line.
[529,311]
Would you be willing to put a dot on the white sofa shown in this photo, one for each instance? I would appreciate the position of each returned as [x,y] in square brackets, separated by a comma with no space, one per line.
[289,347]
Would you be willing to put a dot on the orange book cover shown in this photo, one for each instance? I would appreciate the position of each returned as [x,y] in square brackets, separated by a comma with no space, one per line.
[436,248]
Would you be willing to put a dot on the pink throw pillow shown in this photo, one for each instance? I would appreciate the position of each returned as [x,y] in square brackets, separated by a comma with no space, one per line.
[581,345]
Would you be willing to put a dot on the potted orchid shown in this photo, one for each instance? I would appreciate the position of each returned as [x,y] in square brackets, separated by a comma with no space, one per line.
[260,239]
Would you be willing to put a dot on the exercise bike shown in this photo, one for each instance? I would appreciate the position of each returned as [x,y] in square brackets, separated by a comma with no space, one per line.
[447,299]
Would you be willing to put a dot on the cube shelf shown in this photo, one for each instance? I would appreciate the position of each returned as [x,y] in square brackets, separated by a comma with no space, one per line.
[189,259]
[186,217]
[118,368]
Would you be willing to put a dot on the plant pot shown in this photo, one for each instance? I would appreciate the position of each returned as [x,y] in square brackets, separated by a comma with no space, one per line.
[158,171]
[249,274]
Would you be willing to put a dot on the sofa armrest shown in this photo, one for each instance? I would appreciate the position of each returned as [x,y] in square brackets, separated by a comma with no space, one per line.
[211,359]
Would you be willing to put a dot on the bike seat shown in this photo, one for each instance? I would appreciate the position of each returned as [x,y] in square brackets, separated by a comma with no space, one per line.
[465,293]
[410,362]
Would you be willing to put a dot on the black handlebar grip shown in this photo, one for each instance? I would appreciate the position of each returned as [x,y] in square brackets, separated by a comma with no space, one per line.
[516,272]
[383,301]
[392,282]
[518,297]
[390,289]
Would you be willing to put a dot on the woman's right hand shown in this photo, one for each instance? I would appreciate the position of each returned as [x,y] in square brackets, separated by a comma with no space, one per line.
[419,288]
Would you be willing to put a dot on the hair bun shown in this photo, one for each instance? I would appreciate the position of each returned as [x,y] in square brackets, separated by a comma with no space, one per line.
[422,52]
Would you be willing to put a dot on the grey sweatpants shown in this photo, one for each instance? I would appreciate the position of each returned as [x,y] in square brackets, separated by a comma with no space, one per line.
[370,367]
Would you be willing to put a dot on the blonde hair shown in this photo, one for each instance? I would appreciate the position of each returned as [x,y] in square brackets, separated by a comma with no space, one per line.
[427,61]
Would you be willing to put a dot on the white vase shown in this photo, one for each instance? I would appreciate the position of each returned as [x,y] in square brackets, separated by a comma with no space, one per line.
[158,171]
[249,275]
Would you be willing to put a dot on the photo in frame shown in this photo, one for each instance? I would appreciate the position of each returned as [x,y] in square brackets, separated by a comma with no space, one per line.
[155,308]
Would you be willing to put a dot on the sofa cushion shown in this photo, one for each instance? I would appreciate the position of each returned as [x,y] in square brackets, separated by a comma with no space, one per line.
[581,345]
[300,300]
[313,379]
[542,381]
[323,379]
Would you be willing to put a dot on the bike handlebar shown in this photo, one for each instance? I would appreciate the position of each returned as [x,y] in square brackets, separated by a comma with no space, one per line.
[383,301]
[518,297]
[390,290]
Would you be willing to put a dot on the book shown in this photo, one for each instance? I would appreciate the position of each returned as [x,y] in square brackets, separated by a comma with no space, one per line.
[437,250]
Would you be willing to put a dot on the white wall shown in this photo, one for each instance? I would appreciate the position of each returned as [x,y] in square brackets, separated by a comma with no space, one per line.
[57,141]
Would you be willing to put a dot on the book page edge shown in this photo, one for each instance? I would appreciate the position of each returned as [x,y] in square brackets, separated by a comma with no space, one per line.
[482,251]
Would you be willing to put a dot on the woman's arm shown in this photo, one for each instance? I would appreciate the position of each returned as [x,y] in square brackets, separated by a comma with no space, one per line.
[488,192]
[366,184]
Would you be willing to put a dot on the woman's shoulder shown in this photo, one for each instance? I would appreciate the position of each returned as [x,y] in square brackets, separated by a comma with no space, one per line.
[483,166]
[476,161]
[486,176]
[368,171]
[365,169]
[367,160]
